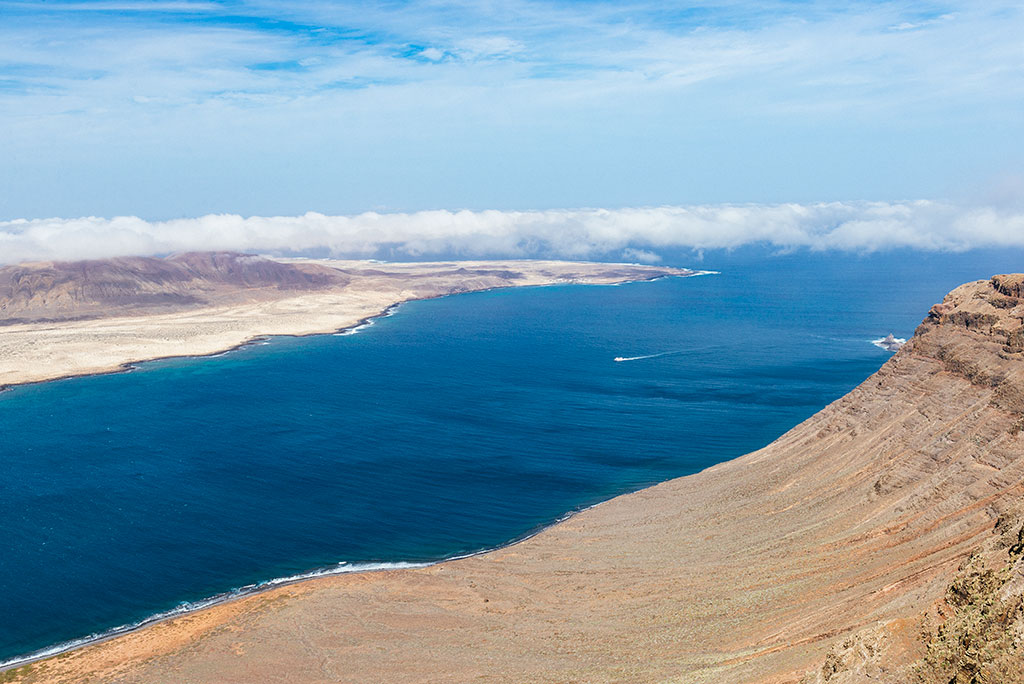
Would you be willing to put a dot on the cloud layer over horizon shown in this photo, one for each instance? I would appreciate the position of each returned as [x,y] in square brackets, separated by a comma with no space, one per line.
[633,234]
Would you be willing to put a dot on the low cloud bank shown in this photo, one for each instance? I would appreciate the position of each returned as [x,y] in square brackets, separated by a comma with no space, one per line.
[631,234]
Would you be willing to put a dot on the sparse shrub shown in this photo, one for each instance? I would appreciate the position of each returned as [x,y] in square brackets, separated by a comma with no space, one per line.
[980,642]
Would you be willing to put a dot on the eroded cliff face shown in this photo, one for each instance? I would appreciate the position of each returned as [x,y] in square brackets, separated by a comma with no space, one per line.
[972,634]
[827,546]
[977,333]
[973,631]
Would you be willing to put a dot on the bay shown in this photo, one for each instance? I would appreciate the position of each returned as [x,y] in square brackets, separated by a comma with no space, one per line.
[454,425]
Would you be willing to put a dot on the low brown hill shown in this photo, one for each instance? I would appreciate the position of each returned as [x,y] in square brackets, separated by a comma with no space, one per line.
[53,291]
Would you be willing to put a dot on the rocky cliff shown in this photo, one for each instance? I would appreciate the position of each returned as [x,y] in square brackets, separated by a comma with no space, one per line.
[973,630]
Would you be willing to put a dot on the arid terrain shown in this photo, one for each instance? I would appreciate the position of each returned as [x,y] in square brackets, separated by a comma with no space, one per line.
[877,541]
[59,319]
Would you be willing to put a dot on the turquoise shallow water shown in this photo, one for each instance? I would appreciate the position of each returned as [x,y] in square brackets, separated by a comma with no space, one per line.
[452,426]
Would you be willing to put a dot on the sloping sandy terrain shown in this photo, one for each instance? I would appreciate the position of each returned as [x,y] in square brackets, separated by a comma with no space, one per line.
[60,319]
[747,572]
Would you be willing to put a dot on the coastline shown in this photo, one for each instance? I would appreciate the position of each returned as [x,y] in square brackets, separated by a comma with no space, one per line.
[344,311]
[250,590]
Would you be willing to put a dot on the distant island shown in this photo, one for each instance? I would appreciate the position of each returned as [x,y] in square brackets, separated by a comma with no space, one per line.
[881,540]
[72,318]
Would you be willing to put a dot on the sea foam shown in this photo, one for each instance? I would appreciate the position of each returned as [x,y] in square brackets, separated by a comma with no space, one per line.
[192,606]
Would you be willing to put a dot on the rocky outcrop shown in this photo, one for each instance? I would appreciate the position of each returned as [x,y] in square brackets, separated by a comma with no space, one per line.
[1009,285]
[972,634]
[978,333]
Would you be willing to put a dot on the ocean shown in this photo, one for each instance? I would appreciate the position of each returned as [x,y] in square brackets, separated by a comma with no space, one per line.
[451,426]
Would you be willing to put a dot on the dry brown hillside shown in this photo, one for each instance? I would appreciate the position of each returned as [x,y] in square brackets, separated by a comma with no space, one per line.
[89,289]
[831,544]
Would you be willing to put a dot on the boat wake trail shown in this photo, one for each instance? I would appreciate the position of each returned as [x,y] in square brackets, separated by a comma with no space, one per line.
[646,356]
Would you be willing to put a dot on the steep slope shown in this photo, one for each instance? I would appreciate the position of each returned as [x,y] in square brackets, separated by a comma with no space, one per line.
[972,634]
[750,571]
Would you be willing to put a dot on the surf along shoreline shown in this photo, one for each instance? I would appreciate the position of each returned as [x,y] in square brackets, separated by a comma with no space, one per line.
[341,568]
[232,595]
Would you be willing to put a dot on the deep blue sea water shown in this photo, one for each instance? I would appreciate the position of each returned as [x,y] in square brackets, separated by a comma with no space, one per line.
[455,425]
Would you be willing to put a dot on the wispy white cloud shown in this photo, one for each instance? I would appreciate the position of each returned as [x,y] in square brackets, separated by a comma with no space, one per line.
[113,6]
[762,101]
[892,54]
[633,234]
[643,256]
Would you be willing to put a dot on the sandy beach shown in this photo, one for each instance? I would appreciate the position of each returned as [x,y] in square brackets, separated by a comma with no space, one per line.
[45,350]
[750,571]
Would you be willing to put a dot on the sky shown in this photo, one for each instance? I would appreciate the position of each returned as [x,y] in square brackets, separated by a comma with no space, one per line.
[484,125]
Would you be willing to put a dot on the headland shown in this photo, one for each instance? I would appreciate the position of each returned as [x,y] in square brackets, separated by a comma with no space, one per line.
[77,318]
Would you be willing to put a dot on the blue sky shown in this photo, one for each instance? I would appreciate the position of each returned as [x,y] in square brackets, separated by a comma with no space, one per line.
[179,109]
